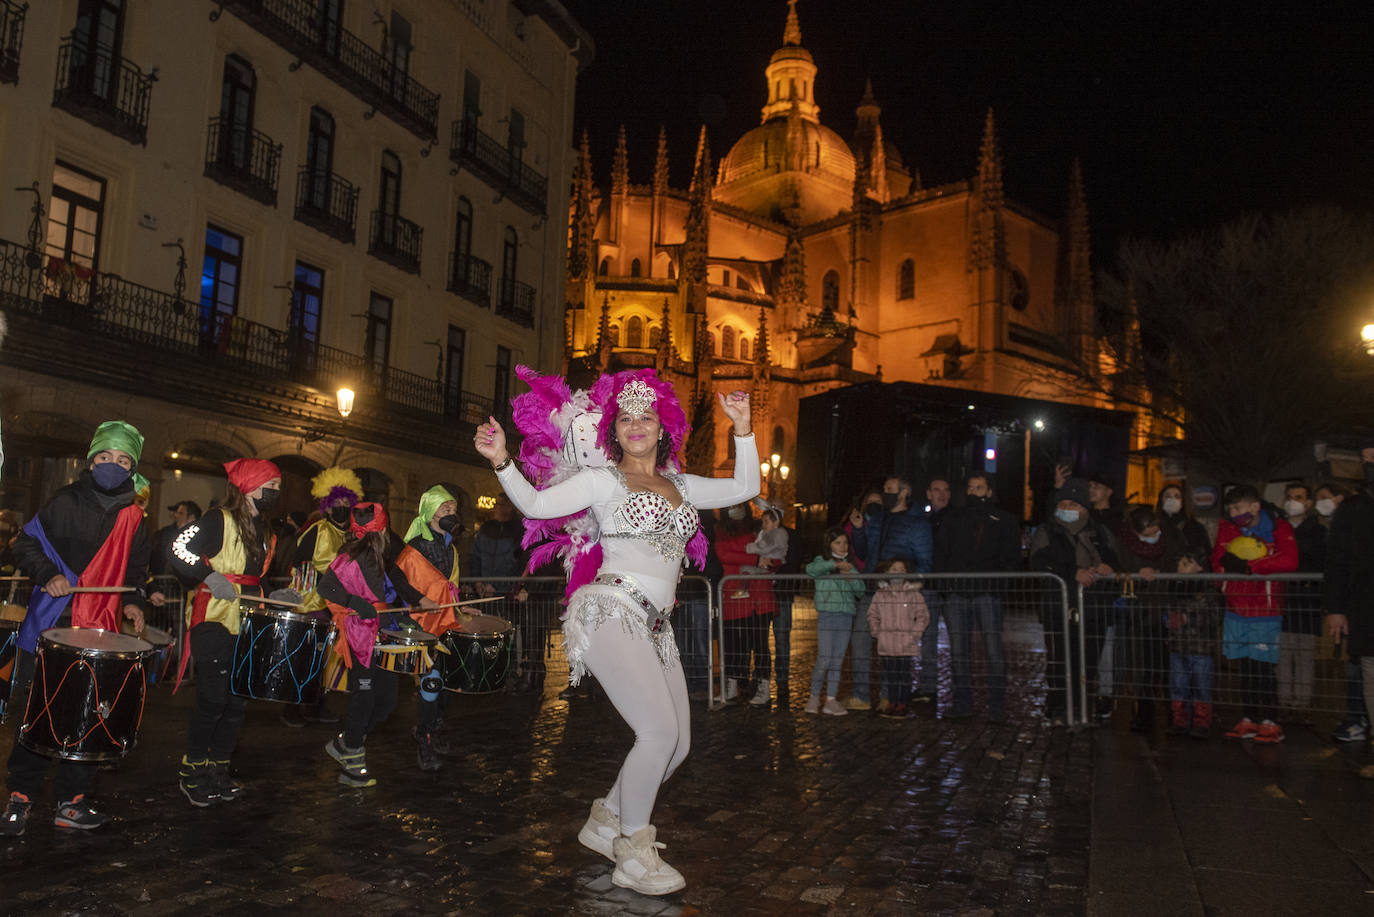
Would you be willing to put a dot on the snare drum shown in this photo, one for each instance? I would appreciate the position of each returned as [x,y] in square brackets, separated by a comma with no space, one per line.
[86,702]
[162,647]
[279,655]
[479,655]
[9,635]
[405,652]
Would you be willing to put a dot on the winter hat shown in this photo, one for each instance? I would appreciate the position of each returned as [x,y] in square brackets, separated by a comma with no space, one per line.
[248,474]
[1075,489]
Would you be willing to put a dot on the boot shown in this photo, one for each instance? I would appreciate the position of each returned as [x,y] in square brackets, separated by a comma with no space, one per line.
[228,788]
[601,830]
[1178,718]
[638,866]
[196,783]
[1202,720]
[760,698]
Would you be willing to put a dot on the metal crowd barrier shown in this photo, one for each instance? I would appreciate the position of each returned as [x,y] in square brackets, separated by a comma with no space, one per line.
[1004,644]
[1168,642]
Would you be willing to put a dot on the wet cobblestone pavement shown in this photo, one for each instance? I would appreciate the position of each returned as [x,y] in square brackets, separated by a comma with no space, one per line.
[774,812]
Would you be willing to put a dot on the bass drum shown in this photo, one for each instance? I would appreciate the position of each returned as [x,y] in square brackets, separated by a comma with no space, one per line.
[279,655]
[479,655]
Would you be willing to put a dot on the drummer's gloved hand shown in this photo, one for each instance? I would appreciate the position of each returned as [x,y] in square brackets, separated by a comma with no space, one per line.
[286,595]
[220,587]
[363,607]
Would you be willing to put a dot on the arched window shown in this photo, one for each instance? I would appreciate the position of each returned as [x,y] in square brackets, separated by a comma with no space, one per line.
[727,342]
[635,268]
[830,291]
[906,280]
[743,348]
[1020,291]
[655,335]
[605,266]
[634,331]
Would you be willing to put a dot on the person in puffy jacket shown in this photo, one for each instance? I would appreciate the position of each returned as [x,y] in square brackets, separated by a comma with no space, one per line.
[897,617]
[837,599]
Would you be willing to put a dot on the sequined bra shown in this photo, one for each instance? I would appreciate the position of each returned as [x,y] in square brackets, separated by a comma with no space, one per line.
[651,516]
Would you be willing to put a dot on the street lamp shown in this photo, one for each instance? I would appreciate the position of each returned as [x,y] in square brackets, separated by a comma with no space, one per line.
[1367,339]
[344,398]
[774,472]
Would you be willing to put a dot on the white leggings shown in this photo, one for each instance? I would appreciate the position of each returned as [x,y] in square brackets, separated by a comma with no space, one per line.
[653,701]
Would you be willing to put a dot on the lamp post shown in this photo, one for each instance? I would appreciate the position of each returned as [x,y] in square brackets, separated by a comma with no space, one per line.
[774,472]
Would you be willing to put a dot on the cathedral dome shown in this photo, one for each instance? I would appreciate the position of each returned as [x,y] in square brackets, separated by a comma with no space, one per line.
[766,149]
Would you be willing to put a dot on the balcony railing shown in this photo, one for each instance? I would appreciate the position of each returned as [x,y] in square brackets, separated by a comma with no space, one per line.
[369,74]
[11,39]
[243,159]
[516,302]
[111,310]
[98,86]
[395,240]
[327,202]
[470,147]
[470,278]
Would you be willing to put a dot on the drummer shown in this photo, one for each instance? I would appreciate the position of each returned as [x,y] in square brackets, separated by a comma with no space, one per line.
[356,587]
[223,553]
[425,574]
[89,534]
[338,490]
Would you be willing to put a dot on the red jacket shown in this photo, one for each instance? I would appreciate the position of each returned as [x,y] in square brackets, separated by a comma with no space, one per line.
[1252,599]
[760,600]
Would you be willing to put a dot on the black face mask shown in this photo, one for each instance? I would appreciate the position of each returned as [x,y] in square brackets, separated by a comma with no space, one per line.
[890,501]
[339,515]
[268,501]
[983,499]
[449,523]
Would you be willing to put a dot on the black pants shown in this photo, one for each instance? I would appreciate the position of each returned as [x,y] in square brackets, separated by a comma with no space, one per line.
[218,714]
[372,698]
[1260,689]
[1062,669]
[28,770]
[757,646]
[428,713]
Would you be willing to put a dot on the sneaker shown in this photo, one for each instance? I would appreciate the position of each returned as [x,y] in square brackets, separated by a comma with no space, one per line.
[601,830]
[228,788]
[857,703]
[813,705]
[884,705]
[426,756]
[16,816]
[353,761]
[196,784]
[760,698]
[638,866]
[1245,729]
[293,717]
[1270,733]
[832,707]
[1351,731]
[80,814]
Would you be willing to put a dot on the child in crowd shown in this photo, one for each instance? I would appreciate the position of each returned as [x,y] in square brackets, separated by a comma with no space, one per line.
[1193,622]
[837,599]
[771,542]
[897,617]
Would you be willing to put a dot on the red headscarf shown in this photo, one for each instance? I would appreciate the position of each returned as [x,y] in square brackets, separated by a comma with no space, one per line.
[379,519]
[248,474]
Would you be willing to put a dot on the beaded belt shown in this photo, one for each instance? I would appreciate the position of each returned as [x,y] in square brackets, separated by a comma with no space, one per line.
[656,620]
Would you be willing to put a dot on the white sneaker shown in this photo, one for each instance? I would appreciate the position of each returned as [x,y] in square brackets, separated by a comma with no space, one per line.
[731,688]
[638,866]
[813,705]
[761,695]
[601,830]
[833,707]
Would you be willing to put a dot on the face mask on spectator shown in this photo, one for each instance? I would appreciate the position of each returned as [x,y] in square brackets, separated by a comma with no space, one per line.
[1066,516]
[1243,520]
[1172,505]
[1326,506]
[1294,507]
[1149,539]
[890,501]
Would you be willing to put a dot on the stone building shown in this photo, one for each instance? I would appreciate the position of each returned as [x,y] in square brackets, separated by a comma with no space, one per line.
[801,262]
[229,209]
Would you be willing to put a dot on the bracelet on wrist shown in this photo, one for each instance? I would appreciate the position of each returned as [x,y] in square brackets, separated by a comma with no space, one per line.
[503,466]
[744,435]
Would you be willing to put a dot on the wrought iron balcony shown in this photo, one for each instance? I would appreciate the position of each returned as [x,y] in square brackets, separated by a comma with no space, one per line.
[327,202]
[243,159]
[470,278]
[470,147]
[516,302]
[11,38]
[298,27]
[396,241]
[97,85]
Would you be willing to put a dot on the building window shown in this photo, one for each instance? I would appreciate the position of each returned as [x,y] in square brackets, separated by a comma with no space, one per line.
[727,342]
[725,278]
[74,217]
[830,291]
[237,90]
[96,45]
[219,284]
[636,268]
[307,303]
[743,348]
[398,50]
[319,158]
[501,386]
[634,332]
[389,192]
[906,280]
[462,233]
[1020,291]
[472,101]
[742,284]
[605,267]
[655,335]
[327,16]
[515,137]
[510,249]
[377,345]
[453,371]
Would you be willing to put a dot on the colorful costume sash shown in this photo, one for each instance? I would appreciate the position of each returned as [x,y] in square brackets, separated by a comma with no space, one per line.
[328,541]
[109,567]
[357,637]
[432,584]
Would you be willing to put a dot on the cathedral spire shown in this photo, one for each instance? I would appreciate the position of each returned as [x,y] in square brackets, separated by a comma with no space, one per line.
[791,74]
[620,166]
[791,33]
[665,338]
[697,229]
[990,166]
[661,163]
[603,335]
[987,248]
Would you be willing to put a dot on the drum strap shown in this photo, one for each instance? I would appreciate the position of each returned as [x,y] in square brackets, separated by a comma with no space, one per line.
[653,618]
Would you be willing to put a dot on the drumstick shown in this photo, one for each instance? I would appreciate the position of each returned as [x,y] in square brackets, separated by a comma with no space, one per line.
[271,601]
[418,610]
[102,589]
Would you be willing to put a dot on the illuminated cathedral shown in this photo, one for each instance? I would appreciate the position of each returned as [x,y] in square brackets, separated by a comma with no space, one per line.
[800,262]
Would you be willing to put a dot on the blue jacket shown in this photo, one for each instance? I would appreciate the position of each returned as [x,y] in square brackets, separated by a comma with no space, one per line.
[885,535]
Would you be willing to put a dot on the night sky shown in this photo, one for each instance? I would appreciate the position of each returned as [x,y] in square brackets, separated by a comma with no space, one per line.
[1183,114]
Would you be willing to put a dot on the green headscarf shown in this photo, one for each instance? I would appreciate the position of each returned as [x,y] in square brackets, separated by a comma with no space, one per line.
[140,484]
[116,434]
[430,501]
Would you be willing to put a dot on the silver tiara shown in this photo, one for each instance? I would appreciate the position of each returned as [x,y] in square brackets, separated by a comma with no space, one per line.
[636,398]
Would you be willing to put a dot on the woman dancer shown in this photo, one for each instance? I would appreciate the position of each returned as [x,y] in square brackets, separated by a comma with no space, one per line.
[645,522]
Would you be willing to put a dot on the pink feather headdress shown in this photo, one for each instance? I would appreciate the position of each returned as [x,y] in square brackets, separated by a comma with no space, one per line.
[565,431]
